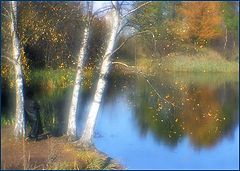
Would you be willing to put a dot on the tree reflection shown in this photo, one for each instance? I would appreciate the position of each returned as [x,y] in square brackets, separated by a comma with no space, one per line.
[53,105]
[155,115]
[202,117]
[203,113]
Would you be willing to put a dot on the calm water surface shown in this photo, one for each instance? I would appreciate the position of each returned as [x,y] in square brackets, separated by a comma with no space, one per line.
[201,130]
[194,124]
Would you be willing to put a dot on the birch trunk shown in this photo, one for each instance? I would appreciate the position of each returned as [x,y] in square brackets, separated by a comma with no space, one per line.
[226,38]
[72,128]
[19,129]
[86,139]
[74,103]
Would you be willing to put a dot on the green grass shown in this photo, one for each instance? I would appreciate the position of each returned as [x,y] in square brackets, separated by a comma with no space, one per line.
[201,64]
[60,78]
[7,121]
[205,60]
[52,78]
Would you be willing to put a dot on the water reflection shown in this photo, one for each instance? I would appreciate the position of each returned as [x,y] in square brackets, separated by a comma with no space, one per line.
[200,109]
[203,110]
[203,113]
[198,131]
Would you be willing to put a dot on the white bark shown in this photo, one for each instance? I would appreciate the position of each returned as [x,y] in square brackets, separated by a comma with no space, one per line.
[19,129]
[86,138]
[74,104]
[72,128]
[226,38]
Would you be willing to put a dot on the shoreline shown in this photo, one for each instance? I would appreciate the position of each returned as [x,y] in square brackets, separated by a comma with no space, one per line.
[51,153]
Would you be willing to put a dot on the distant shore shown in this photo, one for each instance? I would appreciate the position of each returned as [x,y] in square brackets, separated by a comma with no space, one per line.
[204,61]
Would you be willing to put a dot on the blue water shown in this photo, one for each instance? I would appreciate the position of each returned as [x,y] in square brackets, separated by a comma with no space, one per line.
[122,139]
[142,131]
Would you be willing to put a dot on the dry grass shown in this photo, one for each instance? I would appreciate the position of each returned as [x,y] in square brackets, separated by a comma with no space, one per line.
[206,61]
[54,153]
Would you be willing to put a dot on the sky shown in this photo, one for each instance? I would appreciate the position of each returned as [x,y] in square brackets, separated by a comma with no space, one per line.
[99,4]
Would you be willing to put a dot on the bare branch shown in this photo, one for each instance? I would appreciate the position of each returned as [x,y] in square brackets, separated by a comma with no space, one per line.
[121,63]
[133,10]
[144,76]
[125,41]
[114,6]
[121,3]
[101,10]
[124,26]
[155,90]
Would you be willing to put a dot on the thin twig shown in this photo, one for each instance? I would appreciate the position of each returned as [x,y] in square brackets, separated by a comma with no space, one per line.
[125,41]
[101,10]
[143,75]
[124,26]
[157,92]
[121,63]
[114,6]
[133,10]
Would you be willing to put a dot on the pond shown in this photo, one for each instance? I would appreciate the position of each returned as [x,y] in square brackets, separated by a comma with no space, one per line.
[169,121]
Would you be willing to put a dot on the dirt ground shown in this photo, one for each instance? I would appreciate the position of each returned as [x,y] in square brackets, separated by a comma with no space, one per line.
[49,153]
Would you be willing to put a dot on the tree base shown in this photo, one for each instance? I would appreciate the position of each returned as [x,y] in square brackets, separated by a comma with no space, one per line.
[71,138]
[85,144]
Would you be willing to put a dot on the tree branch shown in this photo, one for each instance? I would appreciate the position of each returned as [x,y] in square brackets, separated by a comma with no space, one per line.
[121,4]
[147,80]
[121,63]
[101,10]
[124,26]
[133,10]
[114,6]
[155,90]
[125,41]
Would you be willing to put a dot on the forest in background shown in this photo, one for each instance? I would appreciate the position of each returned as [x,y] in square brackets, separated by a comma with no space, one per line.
[51,48]
[50,34]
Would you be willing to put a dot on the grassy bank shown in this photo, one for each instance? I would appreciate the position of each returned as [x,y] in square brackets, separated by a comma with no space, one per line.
[60,78]
[52,153]
[205,60]
[6,121]
[50,78]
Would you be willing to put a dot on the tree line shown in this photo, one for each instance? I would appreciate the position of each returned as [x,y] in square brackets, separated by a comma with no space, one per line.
[114,23]
[180,26]
[71,35]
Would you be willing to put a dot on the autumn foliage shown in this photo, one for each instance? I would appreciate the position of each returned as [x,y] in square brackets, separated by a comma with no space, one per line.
[203,21]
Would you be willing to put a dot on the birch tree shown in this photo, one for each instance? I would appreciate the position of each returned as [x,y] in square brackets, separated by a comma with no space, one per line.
[116,26]
[19,129]
[71,129]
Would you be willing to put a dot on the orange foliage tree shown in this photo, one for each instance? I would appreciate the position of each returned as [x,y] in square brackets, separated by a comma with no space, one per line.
[203,21]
